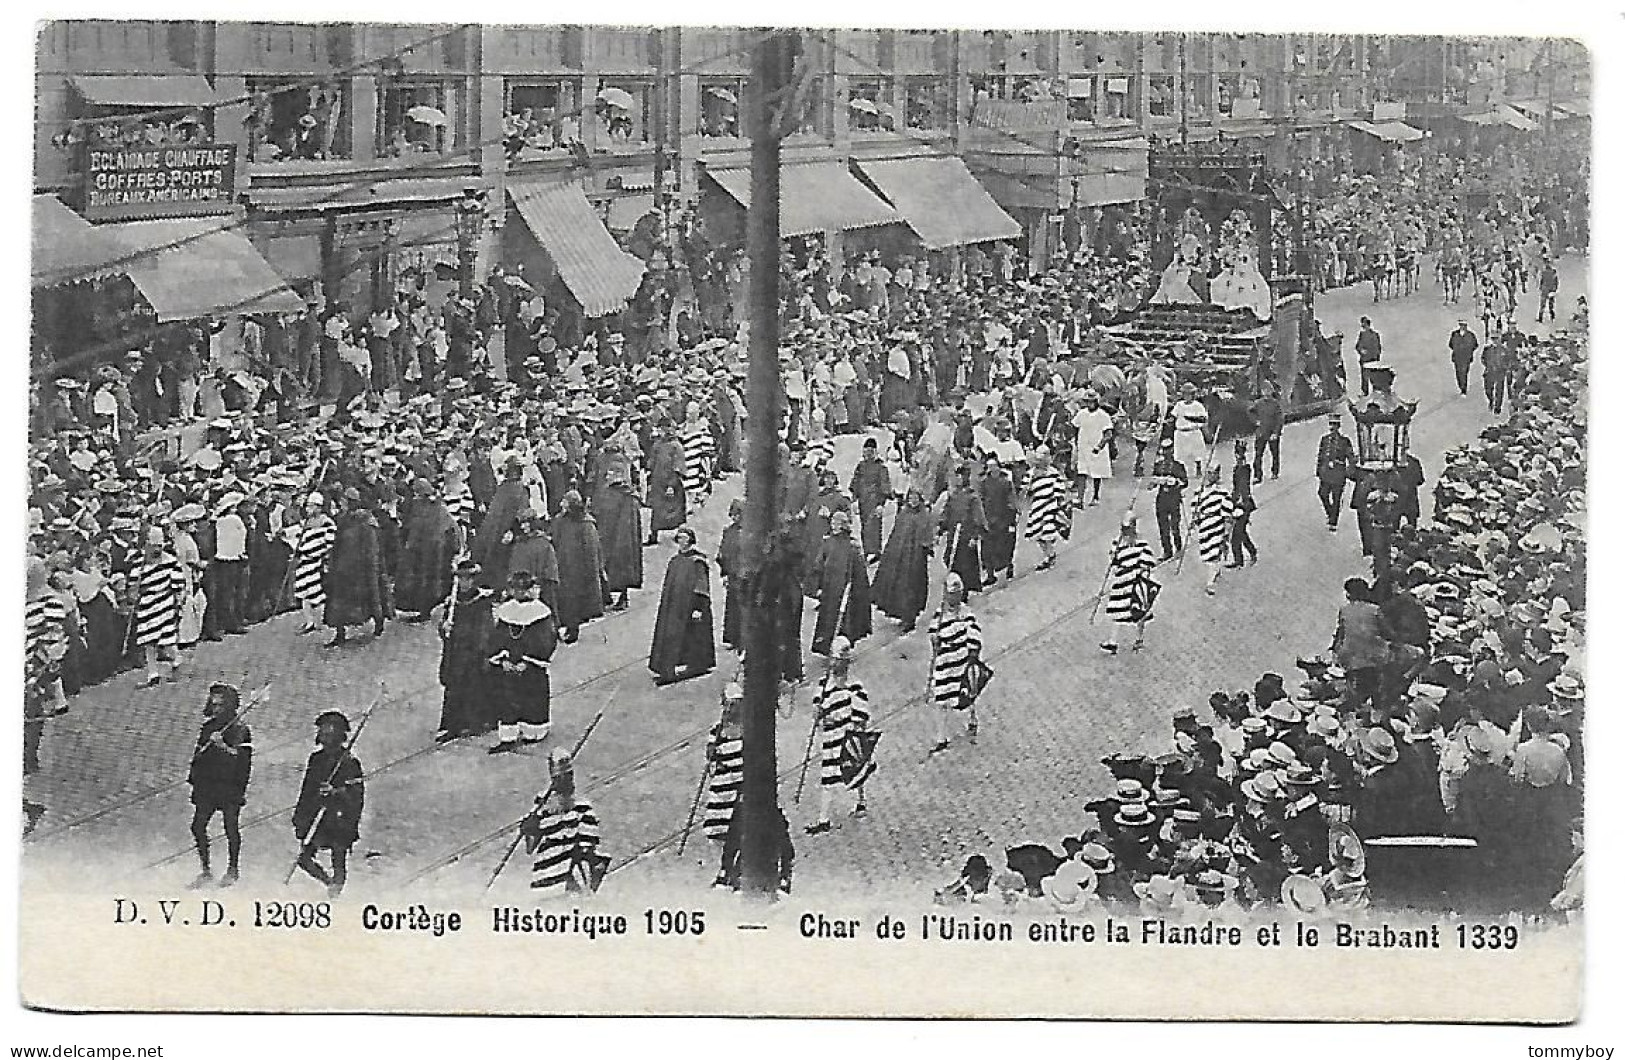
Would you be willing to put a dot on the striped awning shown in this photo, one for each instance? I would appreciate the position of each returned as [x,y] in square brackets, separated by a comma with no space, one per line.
[941,201]
[190,269]
[67,248]
[814,197]
[597,272]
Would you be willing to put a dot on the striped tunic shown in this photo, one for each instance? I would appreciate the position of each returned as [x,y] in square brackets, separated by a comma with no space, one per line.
[460,503]
[698,450]
[1047,514]
[1131,561]
[1211,515]
[309,558]
[565,836]
[844,709]
[158,602]
[727,753]
[955,640]
[45,627]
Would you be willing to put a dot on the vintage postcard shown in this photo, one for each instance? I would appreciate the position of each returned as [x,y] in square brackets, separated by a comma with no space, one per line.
[1020,517]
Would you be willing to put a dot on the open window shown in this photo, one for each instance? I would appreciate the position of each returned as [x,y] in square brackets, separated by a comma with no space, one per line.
[289,122]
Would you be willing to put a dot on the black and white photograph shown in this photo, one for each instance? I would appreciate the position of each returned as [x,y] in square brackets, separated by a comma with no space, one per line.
[960,512]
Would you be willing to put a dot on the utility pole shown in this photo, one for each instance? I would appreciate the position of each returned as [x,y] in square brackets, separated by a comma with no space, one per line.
[1184,91]
[1550,118]
[771,65]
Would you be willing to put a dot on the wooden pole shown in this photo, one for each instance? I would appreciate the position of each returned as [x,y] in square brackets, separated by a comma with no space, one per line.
[771,64]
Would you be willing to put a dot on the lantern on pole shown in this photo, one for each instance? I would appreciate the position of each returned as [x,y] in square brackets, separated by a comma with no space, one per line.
[470,222]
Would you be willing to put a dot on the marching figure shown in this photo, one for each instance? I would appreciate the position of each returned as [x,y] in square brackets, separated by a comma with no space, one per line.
[221,764]
[331,798]
[725,755]
[871,486]
[316,536]
[1211,516]
[522,646]
[903,578]
[1048,515]
[561,834]
[847,757]
[1130,591]
[956,648]
[158,606]
[841,585]
[1170,478]
[466,673]
[962,526]
[682,646]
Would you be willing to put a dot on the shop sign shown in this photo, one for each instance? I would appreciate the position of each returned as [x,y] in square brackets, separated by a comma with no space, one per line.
[158,180]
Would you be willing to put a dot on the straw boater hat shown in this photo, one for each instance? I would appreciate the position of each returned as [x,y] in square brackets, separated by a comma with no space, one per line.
[1302,894]
[1071,884]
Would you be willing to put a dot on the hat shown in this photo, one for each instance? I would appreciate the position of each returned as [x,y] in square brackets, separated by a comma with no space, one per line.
[333,717]
[1158,891]
[229,501]
[189,513]
[1134,815]
[1097,857]
[1302,894]
[840,650]
[468,566]
[1130,790]
[1345,850]
[1285,712]
[1070,884]
[1265,787]
[1566,686]
[1378,745]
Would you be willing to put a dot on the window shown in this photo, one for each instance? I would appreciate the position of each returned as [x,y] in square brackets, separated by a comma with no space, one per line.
[297,121]
[133,127]
[416,117]
[1080,98]
[719,106]
[813,118]
[623,109]
[1114,105]
[540,115]
[925,103]
[1159,97]
[869,108]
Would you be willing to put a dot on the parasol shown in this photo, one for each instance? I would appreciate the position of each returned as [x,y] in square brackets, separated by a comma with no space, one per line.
[867,106]
[723,94]
[432,116]
[616,97]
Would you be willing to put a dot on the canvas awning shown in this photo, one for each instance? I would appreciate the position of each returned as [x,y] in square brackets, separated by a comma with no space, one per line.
[193,268]
[1393,132]
[156,90]
[322,198]
[1501,116]
[594,268]
[67,248]
[941,201]
[814,197]
[1110,172]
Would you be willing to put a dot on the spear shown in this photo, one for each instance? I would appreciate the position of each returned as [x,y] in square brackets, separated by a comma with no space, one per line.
[321,814]
[254,699]
[520,835]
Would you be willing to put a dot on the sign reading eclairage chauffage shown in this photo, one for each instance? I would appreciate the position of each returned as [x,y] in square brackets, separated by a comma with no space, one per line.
[158,180]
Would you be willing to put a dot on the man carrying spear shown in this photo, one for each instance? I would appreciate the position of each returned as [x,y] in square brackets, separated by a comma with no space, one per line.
[841,713]
[328,814]
[561,834]
[219,777]
[1129,590]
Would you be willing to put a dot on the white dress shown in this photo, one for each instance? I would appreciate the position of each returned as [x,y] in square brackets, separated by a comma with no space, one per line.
[1092,425]
[1175,288]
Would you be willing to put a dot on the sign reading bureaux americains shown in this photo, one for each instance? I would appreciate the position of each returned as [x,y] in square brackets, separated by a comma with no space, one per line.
[158,180]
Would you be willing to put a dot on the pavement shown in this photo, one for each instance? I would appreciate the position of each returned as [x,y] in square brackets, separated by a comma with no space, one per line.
[437,815]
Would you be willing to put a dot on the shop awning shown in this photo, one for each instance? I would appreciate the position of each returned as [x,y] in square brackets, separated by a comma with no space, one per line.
[1502,116]
[193,268]
[815,197]
[1578,108]
[600,275]
[162,90]
[1393,132]
[1110,171]
[68,248]
[358,195]
[941,201]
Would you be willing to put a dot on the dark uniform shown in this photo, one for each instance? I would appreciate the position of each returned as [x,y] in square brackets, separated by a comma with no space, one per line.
[1171,479]
[219,778]
[1333,462]
[328,814]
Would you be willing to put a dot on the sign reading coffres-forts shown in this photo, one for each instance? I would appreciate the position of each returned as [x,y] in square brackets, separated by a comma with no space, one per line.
[160,180]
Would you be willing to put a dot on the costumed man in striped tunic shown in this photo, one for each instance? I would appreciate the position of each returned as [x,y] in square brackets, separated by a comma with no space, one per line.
[158,606]
[316,537]
[726,756]
[522,646]
[956,641]
[1211,515]
[46,645]
[561,834]
[846,758]
[699,450]
[1048,517]
[1130,591]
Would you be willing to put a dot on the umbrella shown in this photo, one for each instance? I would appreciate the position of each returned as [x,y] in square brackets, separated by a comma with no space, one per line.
[1107,377]
[616,97]
[723,94]
[428,116]
[867,106]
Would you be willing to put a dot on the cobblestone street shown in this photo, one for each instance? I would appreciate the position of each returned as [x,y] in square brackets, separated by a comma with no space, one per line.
[114,767]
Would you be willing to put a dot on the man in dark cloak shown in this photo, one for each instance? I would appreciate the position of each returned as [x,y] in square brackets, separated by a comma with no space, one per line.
[668,503]
[730,564]
[534,554]
[351,580]
[581,567]
[840,583]
[682,646]
[429,546]
[999,506]
[494,537]
[820,510]
[902,580]
[871,488]
[523,639]
[466,673]
[963,528]
[619,516]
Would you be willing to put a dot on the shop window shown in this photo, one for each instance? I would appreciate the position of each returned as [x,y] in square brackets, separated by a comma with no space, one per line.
[416,117]
[721,99]
[623,109]
[541,115]
[925,103]
[1159,97]
[812,119]
[1080,99]
[1114,101]
[295,121]
[869,108]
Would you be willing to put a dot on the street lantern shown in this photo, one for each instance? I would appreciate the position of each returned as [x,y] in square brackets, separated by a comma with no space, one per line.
[470,221]
[1382,422]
